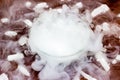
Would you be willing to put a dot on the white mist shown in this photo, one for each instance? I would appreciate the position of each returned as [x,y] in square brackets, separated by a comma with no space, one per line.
[59,38]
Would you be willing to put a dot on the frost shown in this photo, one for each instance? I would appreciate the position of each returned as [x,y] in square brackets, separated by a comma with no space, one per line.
[3,76]
[40,7]
[78,5]
[28,22]
[105,26]
[88,77]
[23,40]
[15,57]
[4,20]
[101,9]
[118,15]
[118,57]
[10,33]
[28,4]
[100,57]
[23,70]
